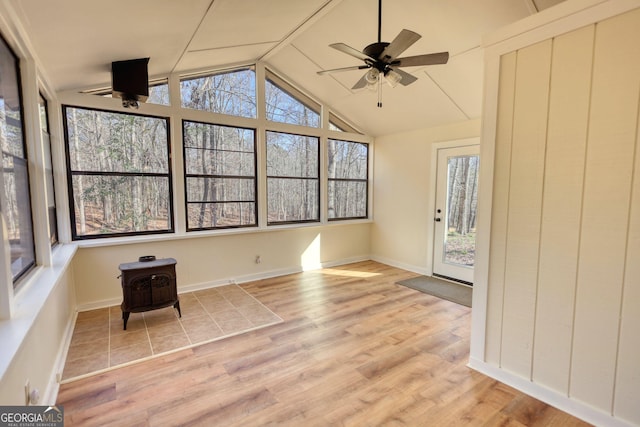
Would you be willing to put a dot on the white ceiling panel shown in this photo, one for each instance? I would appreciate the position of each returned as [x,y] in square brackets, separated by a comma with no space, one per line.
[223,57]
[76,40]
[290,63]
[461,79]
[236,23]
[422,104]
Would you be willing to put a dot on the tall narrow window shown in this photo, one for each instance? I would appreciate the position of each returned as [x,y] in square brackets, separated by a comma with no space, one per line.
[348,179]
[15,201]
[48,172]
[293,184]
[118,173]
[231,92]
[220,171]
[286,104]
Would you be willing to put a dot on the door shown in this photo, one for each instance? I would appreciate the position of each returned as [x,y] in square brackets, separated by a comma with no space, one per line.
[455,212]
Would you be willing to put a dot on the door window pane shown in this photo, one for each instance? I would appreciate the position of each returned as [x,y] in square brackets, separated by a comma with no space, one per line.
[462,201]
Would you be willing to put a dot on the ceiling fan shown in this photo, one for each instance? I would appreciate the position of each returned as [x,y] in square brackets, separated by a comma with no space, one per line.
[381,59]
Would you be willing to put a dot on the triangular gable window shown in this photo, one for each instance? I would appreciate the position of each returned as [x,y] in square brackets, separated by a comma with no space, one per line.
[286,104]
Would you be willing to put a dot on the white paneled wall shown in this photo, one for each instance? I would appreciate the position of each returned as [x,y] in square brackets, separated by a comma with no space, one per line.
[563,287]
[562,202]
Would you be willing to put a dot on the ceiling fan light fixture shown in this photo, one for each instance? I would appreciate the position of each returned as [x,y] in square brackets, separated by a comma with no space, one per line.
[372,76]
[393,78]
[380,56]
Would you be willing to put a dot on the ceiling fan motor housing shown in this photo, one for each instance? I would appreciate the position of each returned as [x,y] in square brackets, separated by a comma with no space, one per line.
[374,50]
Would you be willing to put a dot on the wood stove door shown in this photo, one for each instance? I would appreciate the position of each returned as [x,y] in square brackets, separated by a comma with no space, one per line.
[139,291]
[162,289]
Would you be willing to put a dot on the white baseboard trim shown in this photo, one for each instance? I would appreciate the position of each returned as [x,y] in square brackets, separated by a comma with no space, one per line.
[235,280]
[409,267]
[558,400]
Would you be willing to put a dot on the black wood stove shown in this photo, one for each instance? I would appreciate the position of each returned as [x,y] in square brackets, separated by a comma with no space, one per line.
[148,284]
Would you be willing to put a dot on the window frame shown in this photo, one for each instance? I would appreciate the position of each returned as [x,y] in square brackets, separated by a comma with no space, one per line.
[16,279]
[54,237]
[340,125]
[70,174]
[294,93]
[213,74]
[187,175]
[317,179]
[365,180]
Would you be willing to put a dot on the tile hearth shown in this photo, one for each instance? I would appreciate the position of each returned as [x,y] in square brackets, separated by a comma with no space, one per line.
[100,343]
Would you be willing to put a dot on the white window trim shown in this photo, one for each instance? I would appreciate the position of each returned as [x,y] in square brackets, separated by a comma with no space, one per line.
[176,114]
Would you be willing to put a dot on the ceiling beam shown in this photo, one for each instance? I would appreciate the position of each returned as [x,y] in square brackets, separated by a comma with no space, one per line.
[288,39]
[195,31]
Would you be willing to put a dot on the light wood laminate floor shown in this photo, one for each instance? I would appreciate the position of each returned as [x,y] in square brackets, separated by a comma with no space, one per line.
[355,349]
[99,341]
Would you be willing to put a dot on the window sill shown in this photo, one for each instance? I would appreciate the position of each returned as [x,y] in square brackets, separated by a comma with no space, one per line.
[28,303]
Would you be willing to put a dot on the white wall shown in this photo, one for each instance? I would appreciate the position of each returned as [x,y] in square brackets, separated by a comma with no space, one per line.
[36,319]
[216,260]
[401,196]
[41,327]
[562,282]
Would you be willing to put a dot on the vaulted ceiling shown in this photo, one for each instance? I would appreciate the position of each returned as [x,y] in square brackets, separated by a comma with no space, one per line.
[76,40]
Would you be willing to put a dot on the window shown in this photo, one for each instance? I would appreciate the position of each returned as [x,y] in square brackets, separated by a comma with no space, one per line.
[48,172]
[332,126]
[220,170]
[232,93]
[159,93]
[119,175]
[293,184]
[348,179]
[15,202]
[339,125]
[285,104]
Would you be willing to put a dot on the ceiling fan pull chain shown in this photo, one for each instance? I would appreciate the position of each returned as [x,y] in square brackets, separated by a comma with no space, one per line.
[380,90]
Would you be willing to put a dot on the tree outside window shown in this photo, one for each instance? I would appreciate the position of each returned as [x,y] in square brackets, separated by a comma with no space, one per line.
[118,173]
[15,200]
[293,184]
[347,164]
[220,172]
[232,93]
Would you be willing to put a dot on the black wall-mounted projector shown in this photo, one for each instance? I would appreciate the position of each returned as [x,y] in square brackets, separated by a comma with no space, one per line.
[130,81]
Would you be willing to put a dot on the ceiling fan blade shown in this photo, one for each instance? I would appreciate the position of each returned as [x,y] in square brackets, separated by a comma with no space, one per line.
[350,51]
[407,78]
[361,83]
[335,70]
[401,43]
[428,59]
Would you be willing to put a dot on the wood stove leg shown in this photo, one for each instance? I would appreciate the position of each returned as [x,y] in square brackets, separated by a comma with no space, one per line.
[125,317]
[177,306]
